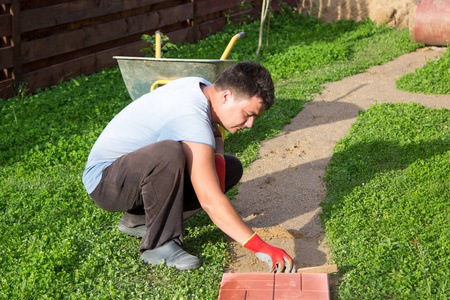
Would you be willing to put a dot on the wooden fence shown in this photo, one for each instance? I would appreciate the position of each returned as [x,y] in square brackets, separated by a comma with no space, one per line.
[47,41]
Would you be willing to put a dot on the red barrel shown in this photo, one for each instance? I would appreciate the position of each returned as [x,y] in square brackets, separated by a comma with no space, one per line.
[429,22]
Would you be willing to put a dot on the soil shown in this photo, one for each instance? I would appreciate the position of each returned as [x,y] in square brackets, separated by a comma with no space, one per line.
[392,12]
[280,193]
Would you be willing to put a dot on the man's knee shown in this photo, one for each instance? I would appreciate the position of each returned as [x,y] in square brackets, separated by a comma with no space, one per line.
[234,164]
[172,149]
[234,171]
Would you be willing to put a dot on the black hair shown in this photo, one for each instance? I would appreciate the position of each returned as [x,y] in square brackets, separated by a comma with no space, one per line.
[247,79]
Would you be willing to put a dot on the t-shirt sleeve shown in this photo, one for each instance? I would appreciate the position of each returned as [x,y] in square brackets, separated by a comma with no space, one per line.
[195,129]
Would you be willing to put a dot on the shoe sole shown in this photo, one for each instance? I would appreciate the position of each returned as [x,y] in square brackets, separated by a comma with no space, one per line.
[138,231]
[171,255]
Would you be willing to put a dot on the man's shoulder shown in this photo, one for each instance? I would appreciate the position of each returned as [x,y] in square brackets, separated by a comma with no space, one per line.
[190,80]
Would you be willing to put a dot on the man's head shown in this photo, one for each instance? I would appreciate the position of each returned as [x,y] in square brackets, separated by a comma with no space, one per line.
[247,79]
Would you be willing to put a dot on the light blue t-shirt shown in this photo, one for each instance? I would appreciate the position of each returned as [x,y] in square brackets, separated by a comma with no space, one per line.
[178,111]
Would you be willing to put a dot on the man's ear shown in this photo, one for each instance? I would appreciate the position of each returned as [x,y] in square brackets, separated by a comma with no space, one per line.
[227,95]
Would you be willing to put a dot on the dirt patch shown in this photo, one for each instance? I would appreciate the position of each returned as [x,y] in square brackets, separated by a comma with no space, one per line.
[391,12]
[280,193]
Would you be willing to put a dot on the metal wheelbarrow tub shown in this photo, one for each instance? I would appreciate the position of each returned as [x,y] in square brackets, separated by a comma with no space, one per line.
[139,73]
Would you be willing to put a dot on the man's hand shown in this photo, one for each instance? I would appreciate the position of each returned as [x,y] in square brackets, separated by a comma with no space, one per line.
[277,259]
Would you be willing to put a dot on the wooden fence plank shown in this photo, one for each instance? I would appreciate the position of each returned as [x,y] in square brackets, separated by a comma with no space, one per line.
[74,11]
[6,57]
[41,3]
[183,36]
[59,39]
[205,7]
[5,25]
[207,28]
[90,36]
[58,59]
[214,22]
[52,75]
[16,40]
[86,65]
[6,88]
[253,14]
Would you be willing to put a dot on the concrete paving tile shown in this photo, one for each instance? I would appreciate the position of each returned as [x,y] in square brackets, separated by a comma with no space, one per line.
[262,286]
[248,281]
[288,281]
[292,295]
[248,285]
[246,276]
[315,282]
[232,294]
[259,295]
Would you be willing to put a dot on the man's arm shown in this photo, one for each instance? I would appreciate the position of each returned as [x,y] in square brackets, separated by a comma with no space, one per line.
[200,164]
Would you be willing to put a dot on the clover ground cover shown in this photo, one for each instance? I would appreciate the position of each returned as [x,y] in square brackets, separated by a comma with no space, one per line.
[386,212]
[56,243]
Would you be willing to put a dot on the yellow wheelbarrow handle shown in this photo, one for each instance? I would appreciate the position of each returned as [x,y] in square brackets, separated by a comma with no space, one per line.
[222,131]
[157,44]
[231,44]
[158,82]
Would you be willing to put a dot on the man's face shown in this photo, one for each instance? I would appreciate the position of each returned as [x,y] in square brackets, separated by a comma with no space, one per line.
[240,114]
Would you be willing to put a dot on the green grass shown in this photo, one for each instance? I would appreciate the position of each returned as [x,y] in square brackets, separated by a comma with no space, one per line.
[433,79]
[386,212]
[56,243]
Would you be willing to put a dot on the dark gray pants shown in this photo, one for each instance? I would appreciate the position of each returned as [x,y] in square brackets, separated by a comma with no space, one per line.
[152,186]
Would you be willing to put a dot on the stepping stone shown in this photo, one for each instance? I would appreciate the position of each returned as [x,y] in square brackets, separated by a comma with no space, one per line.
[274,286]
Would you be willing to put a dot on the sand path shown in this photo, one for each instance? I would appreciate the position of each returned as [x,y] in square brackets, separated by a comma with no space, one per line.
[279,195]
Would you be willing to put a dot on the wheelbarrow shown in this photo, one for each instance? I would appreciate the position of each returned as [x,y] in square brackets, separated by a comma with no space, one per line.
[142,74]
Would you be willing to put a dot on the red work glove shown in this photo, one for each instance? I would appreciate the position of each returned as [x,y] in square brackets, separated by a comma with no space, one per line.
[219,160]
[276,258]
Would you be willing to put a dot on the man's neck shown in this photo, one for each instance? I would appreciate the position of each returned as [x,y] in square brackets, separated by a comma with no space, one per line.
[211,94]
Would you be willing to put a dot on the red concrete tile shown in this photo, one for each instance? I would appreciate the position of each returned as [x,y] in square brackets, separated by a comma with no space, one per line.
[315,282]
[259,295]
[262,286]
[232,294]
[282,295]
[247,276]
[288,281]
[248,285]
[247,281]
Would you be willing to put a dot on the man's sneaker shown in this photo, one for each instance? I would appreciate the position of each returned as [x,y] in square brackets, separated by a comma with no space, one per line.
[173,255]
[138,231]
